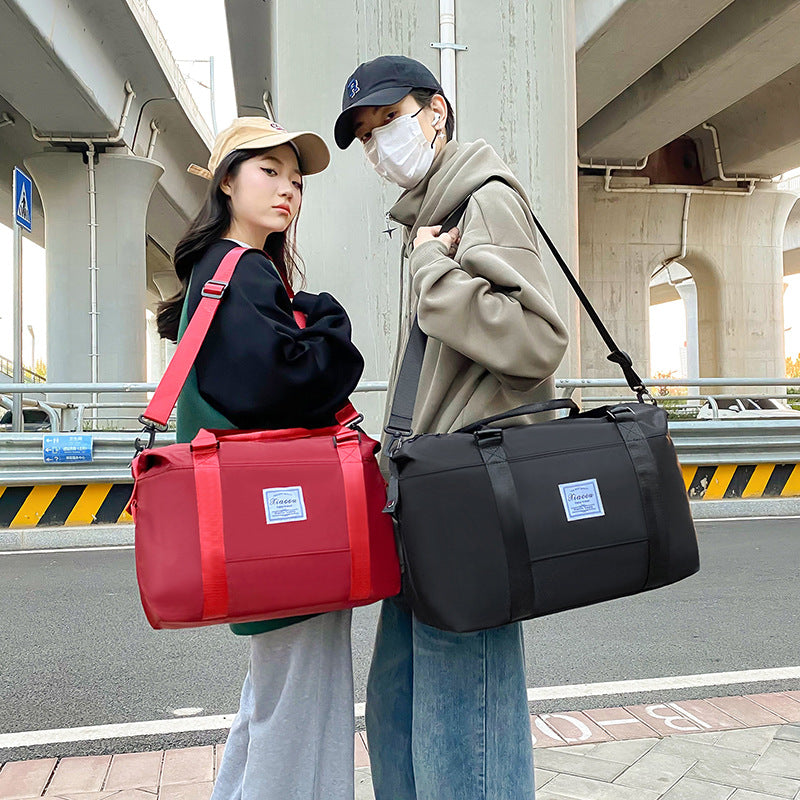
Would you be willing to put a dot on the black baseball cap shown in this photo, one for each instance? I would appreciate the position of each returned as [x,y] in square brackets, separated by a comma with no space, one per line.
[381,82]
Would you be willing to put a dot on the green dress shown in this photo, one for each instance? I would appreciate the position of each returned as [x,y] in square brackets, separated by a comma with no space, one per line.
[194,413]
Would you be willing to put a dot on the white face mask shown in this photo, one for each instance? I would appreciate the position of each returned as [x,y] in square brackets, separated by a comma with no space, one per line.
[400,152]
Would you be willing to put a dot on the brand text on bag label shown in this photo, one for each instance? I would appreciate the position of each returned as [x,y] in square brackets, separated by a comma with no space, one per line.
[284,504]
[581,500]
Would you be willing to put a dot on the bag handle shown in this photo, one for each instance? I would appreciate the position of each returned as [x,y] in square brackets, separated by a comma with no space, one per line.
[532,408]
[165,397]
[402,410]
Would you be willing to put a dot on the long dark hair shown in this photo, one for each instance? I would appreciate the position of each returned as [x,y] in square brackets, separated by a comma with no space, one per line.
[210,225]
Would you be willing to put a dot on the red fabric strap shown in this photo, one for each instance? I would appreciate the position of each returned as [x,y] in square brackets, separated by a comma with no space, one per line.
[166,395]
[208,488]
[355,492]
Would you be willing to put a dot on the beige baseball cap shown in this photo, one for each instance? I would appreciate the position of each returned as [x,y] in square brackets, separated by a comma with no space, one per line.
[255,133]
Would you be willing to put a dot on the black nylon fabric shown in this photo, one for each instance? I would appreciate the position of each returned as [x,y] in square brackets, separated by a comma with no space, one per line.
[457,573]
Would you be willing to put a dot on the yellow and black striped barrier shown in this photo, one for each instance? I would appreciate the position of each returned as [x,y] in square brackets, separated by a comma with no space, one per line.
[729,481]
[104,503]
[61,504]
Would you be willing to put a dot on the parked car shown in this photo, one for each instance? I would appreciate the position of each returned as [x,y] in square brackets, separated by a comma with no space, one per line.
[747,408]
[34,419]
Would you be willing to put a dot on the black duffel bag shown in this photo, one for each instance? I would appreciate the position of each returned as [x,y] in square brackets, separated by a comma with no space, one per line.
[500,524]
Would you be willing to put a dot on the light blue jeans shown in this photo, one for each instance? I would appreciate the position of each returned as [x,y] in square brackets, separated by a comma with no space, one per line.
[447,713]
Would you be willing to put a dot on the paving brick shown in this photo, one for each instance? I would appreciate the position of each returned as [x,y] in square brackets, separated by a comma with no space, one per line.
[542,777]
[688,746]
[361,753]
[543,735]
[134,794]
[575,788]
[690,789]
[665,719]
[104,795]
[620,723]
[749,740]
[744,794]
[186,791]
[364,785]
[22,779]
[575,728]
[729,775]
[746,711]
[708,716]
[656,771]
[788,733]
[134,771]
[778,703]
[780,758]
[626,752]
[219,752]
[559,760]
[79,774]
[189,765]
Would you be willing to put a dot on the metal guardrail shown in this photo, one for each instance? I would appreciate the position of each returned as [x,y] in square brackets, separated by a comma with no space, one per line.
[22,463]
[755,441]
[719,441]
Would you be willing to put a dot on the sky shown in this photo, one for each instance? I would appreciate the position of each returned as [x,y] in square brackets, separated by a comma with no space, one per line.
[196,43]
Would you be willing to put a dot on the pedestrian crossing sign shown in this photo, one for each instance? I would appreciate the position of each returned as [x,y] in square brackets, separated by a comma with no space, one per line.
[23,196]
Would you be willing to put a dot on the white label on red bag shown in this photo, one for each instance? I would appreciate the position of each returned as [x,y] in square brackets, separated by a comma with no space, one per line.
[284,504]
[581,500]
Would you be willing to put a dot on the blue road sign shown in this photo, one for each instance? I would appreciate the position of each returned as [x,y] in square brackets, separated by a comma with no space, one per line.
[66,448]
[23,200]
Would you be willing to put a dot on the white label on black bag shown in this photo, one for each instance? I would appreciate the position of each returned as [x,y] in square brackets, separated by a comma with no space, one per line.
[284,504]
[581,500]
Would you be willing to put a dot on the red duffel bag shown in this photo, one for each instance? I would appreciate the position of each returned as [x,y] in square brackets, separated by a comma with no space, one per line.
[239,526]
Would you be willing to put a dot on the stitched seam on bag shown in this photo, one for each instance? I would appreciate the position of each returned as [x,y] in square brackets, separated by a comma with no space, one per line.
[287,555]
[588,550]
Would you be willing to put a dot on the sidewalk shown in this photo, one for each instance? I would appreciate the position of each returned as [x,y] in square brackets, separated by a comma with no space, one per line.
[724,748]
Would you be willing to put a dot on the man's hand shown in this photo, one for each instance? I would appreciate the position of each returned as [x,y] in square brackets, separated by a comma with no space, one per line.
[451,238]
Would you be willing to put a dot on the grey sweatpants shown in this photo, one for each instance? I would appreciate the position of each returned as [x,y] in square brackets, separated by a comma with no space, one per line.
[292,738]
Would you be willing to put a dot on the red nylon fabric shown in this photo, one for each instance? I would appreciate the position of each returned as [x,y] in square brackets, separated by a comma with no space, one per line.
[211,525]
[338,553]
[347,448]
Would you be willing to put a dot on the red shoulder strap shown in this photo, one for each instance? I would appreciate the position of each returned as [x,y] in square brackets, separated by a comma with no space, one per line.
[166,395]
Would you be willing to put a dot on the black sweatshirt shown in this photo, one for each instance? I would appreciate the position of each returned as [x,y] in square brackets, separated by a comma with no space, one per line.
[256,366]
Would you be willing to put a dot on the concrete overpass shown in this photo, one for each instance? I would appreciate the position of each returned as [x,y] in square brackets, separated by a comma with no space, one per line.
[565,90]
[64,67]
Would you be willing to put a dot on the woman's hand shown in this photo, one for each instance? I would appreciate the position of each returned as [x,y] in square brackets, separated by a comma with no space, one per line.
[451,238]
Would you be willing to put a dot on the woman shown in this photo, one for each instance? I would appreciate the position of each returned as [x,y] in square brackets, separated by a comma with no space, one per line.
[447,713]
[293,735]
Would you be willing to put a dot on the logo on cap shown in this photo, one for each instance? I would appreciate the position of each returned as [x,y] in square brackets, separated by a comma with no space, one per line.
[353,88]
[276,126]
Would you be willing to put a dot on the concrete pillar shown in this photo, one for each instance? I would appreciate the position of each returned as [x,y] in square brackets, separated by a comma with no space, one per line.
[516,89]
[688,291]
[124,184]
[734,253]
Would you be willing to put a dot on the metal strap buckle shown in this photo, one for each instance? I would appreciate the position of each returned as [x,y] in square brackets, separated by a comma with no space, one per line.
[214,289]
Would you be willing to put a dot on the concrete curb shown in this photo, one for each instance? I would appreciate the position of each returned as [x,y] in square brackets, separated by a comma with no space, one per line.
[122,534]
[60,537]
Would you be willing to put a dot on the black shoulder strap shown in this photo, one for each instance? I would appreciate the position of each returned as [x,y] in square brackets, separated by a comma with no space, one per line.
[405,392]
